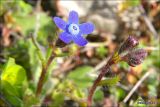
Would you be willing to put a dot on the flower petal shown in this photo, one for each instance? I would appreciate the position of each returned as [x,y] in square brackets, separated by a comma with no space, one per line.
[79,40]
[86,28]
[65,37]
[60,23]
[73,17]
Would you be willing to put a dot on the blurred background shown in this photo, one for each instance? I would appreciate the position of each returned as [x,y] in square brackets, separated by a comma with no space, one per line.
[72,73]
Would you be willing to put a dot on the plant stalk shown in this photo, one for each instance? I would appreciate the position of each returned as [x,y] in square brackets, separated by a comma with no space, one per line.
[43,74]
[104,70]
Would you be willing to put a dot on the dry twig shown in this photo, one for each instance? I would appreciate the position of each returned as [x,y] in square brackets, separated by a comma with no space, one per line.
[137,85]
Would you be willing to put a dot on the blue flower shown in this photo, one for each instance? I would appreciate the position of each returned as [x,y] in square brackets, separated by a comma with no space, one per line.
[73,31]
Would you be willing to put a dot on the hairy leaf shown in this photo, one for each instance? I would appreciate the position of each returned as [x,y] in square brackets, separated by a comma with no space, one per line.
[109,81]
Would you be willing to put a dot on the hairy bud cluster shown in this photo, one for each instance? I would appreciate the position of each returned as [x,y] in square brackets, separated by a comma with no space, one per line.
[130,54]
[135,57]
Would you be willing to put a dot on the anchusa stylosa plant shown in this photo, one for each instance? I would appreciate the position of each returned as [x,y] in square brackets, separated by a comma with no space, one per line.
[73,31]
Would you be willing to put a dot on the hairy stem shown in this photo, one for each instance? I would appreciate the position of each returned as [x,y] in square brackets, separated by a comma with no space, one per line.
[43,73]
[41,81]
[104,70]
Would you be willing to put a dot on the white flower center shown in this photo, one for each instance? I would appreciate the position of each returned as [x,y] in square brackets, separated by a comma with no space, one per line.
[73,29]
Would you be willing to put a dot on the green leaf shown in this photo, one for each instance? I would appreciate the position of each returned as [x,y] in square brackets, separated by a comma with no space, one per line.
[80,72]
[109,81]
[98,96]
[140,103]
[17,102]
[24,23]
[132,3]
[135,3]
[118,93]
[13,78]
[101,51]
[10,62]
[58,99]
[123,65]
[28,23]
[80,76]
[13,74]
[25,8]
[7,88]
[127,4]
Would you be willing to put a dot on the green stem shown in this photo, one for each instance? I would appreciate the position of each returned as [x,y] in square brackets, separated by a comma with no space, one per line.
[40,55]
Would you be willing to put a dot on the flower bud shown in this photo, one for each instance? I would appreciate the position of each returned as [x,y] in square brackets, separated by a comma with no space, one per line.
[129,44]
[135,57]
